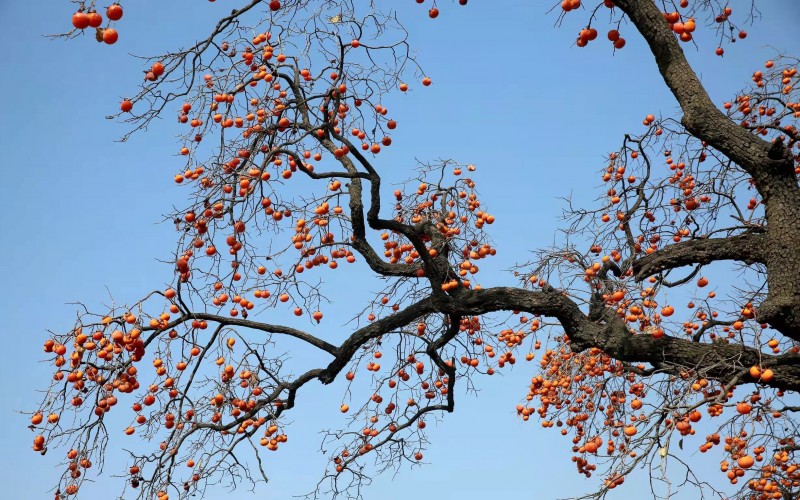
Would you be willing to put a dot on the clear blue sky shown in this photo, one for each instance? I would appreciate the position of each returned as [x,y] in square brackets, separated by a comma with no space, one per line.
[511,94]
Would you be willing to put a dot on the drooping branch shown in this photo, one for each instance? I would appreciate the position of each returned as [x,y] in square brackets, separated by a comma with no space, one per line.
[747,248]
[253,325]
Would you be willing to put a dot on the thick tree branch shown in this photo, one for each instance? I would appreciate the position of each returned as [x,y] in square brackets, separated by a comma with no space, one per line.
[671,354]
[747,248]
[380,266]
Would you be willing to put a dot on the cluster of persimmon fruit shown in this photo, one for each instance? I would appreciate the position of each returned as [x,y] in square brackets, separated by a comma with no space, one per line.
[427,385]
[773,101]
[570,382]
[568,390]
[269,113]
[90,18]
[117,343]
[683,28]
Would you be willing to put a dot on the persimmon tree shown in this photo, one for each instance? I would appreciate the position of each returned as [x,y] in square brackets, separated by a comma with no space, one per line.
[282,122]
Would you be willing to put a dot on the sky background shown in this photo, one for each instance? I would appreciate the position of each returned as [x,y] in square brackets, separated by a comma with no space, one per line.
[511,94]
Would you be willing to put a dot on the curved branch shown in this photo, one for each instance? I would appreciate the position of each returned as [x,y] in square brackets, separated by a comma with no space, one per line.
[747,248]
[384,325]
[246,323]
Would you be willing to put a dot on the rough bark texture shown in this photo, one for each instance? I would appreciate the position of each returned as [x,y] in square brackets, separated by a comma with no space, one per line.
[748,248]
[720,361]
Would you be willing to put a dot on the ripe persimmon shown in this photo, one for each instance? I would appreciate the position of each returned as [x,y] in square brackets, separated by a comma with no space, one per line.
[80,20]
[38,443]
[95,19]
[114,12]
[110,36]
